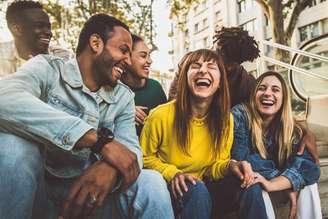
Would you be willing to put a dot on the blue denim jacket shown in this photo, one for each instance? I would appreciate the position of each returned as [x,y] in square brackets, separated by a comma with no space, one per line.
[47,102]
[300,170]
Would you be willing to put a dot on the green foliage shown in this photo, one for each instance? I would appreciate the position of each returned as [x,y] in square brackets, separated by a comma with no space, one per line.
[67,20]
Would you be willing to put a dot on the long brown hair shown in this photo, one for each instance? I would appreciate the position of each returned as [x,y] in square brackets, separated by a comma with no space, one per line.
[283,128]
[217,119]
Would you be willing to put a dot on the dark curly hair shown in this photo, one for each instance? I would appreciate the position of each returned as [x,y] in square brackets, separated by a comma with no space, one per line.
[235,45]
[15,9]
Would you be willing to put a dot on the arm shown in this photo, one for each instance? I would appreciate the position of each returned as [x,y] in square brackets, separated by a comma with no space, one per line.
[220,168]
[309,141]
[23,110]
[150,141]
[301,171]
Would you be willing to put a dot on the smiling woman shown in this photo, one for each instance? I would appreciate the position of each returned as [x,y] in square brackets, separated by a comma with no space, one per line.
[267,136]
[189,139]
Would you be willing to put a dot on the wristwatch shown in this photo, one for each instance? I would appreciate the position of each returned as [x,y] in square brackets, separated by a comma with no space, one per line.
[105,136]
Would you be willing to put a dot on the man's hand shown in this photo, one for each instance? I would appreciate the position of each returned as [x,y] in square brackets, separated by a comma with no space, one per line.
[97,181]
[141,114]
[243,170]
[178,184]
[123,160]
[309,142]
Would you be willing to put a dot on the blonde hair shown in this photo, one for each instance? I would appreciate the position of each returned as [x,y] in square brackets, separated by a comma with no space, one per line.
[217,118]
[283,127]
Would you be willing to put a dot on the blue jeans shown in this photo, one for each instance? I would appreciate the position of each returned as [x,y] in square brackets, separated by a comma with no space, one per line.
[228,196]
[22,185]
[196,203]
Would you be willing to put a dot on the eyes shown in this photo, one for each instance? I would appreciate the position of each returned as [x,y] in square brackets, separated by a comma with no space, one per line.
[125,50]
[274,89]
[197,66]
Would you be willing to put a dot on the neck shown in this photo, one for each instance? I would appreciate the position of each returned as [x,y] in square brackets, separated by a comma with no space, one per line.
[23,51]
[199,107]
[87,73]
[133,81]
[266,123]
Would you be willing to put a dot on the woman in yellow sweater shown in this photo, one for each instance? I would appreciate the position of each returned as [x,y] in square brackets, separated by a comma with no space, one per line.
[190,138]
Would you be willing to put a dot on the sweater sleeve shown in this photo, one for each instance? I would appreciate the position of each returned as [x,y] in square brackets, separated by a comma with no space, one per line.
[150,141]
[220,168]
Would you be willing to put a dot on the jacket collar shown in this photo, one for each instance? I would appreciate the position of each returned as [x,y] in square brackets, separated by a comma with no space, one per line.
[72,76]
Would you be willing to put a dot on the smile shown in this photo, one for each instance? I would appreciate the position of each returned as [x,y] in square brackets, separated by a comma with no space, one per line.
[203,82]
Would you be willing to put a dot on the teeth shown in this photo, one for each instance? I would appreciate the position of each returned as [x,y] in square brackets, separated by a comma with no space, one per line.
[45,39]
[118,69]
[267,102]
[203,82]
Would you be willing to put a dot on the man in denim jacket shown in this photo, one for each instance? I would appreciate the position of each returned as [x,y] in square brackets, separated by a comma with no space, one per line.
[50,111]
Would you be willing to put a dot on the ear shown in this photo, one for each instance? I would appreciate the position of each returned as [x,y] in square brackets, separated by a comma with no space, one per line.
[96,43]
[16,30]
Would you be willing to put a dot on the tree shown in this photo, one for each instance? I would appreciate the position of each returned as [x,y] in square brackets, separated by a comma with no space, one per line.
[283,15]
[67,20]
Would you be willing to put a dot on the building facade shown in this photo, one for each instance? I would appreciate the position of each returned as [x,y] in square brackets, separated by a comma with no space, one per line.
[194,29]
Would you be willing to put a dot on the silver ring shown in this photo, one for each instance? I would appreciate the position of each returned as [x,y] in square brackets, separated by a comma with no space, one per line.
[92,200]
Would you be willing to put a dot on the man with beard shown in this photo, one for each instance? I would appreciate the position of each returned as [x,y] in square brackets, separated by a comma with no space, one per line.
[71,129]
[31,29]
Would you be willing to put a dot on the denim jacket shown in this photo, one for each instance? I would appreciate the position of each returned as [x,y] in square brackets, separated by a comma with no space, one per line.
[300,170]
[47,102]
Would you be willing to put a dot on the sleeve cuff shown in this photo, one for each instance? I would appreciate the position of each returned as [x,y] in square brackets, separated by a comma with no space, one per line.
[295,178]
[69,137]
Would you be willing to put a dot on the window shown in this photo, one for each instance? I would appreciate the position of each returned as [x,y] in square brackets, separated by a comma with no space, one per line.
[196,27]
[205,22]
[250,26]
[217,15]
[311,31]
[244,5]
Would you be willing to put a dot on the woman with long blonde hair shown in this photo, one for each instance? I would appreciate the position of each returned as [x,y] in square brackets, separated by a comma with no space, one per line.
[190,138]
[267,136]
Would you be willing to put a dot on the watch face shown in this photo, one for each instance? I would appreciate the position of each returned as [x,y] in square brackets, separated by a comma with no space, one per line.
[107,133]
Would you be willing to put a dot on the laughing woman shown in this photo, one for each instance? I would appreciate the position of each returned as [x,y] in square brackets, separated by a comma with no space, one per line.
[190,138]
[267,136]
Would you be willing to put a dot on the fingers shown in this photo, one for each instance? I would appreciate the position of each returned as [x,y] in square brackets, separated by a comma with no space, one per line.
[192,179]
[301,148]
[68,202]
[248,174]
[140,114]
[234,168]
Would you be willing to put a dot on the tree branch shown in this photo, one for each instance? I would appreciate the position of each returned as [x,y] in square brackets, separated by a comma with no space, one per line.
[264,5]
[296,11]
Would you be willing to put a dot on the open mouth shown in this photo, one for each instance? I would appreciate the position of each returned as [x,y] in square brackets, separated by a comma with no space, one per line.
[45,40]
[265,102]
[203,82]
[146,68]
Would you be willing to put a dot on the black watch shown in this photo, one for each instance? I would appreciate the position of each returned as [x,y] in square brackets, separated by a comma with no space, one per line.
[105,136]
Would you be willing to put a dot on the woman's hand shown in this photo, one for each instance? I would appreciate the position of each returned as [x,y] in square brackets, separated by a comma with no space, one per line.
[292,195]
[266,184]
[243,170]
[141,114]
[178,183]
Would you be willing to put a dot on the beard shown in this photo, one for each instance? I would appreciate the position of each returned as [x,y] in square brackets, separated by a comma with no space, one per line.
[103,67]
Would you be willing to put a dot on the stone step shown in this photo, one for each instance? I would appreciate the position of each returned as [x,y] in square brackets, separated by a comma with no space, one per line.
[323,191]
[324,169]
[322,148]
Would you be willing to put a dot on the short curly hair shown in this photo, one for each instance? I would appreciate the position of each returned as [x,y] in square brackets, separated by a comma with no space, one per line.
[235,45]
[14,11]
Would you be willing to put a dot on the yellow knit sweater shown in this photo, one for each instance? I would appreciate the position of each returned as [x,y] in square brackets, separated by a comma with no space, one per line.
[162,153]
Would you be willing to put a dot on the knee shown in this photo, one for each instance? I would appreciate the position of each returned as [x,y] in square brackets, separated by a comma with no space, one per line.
[252,192]
[19,156]
[152,184]
[198,191]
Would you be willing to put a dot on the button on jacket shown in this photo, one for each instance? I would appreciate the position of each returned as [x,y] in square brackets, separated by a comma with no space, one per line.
[47,102]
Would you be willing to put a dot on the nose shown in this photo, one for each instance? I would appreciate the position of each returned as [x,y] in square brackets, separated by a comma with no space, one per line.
[267,92]
[203,69]
[149,60]
[127,59]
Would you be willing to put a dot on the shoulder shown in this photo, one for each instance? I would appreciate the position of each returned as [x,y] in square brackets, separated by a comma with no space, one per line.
[122,91]
[60,52]
[154,83]
[163,111]
[239,113]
